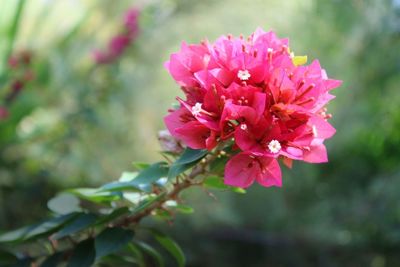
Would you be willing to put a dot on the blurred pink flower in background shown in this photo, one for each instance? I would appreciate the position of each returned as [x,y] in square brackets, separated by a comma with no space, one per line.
[119,43]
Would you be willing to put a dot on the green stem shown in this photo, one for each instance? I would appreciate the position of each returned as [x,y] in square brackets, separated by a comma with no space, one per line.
[14,27]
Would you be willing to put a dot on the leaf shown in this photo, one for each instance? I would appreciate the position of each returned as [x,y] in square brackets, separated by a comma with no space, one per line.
[111,240]
[215,182]
[238,190]
[138,255]
[143,181]
[50,226]
[217,166]
[188,159]
[123,186]
[53,260]
[112,216]
[147,202]
[16,235]
[140,165]
[94,195]
[152,173]
[64,203]
[83,254]
[151,252]
[82,222]
[184,209]
[170,246]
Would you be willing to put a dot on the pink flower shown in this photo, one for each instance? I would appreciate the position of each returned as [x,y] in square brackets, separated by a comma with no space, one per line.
[131,22]
[3,113]
[120,42]
[243,169]
[256,93]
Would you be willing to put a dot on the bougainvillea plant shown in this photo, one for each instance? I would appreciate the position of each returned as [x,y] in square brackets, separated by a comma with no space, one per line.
[249,103]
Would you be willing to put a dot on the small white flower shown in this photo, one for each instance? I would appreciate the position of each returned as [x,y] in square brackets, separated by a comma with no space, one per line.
[270,50]
[274,146]
[196,109]
[243,127]
[244,75]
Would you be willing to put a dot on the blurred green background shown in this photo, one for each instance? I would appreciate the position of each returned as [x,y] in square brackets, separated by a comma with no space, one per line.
[81,124]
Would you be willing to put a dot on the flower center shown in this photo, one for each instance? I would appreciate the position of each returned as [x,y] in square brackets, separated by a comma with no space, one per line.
[243,75]
[196,109]
[243,126]
[274,146]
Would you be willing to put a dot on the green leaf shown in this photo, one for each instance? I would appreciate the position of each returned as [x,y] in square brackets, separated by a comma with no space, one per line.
[184,209]
[170,246]
[238,190]
[112,216]
[123,186]
[82,222]
[50,226]
[94,195]
[143,181]
[217,166]
[16,235]
[147,202]
[140,165]
[64,203]
[152,173]
[83,254]
[111,240]
[53,260]
[151,252]
[46,227]
[7,258]
[138,255]
[215,182]
[188,159]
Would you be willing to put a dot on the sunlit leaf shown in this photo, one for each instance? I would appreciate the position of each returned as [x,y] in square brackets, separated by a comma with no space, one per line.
[95,195]
[184,209]
[64,203]
[140,165]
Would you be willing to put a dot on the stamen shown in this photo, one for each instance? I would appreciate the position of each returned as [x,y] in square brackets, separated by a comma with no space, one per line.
[274,146]
[243,75]
[196,109]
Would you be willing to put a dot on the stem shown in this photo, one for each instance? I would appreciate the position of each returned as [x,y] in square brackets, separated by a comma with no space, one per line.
[200,168]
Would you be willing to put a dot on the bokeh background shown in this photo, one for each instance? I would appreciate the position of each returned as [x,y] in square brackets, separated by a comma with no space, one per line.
[74,122]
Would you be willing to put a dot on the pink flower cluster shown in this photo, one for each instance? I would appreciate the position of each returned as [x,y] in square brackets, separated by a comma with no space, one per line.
[21,73]
[121,41]
[255,92]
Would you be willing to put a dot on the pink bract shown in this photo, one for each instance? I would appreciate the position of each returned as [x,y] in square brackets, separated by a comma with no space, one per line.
[255,93]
